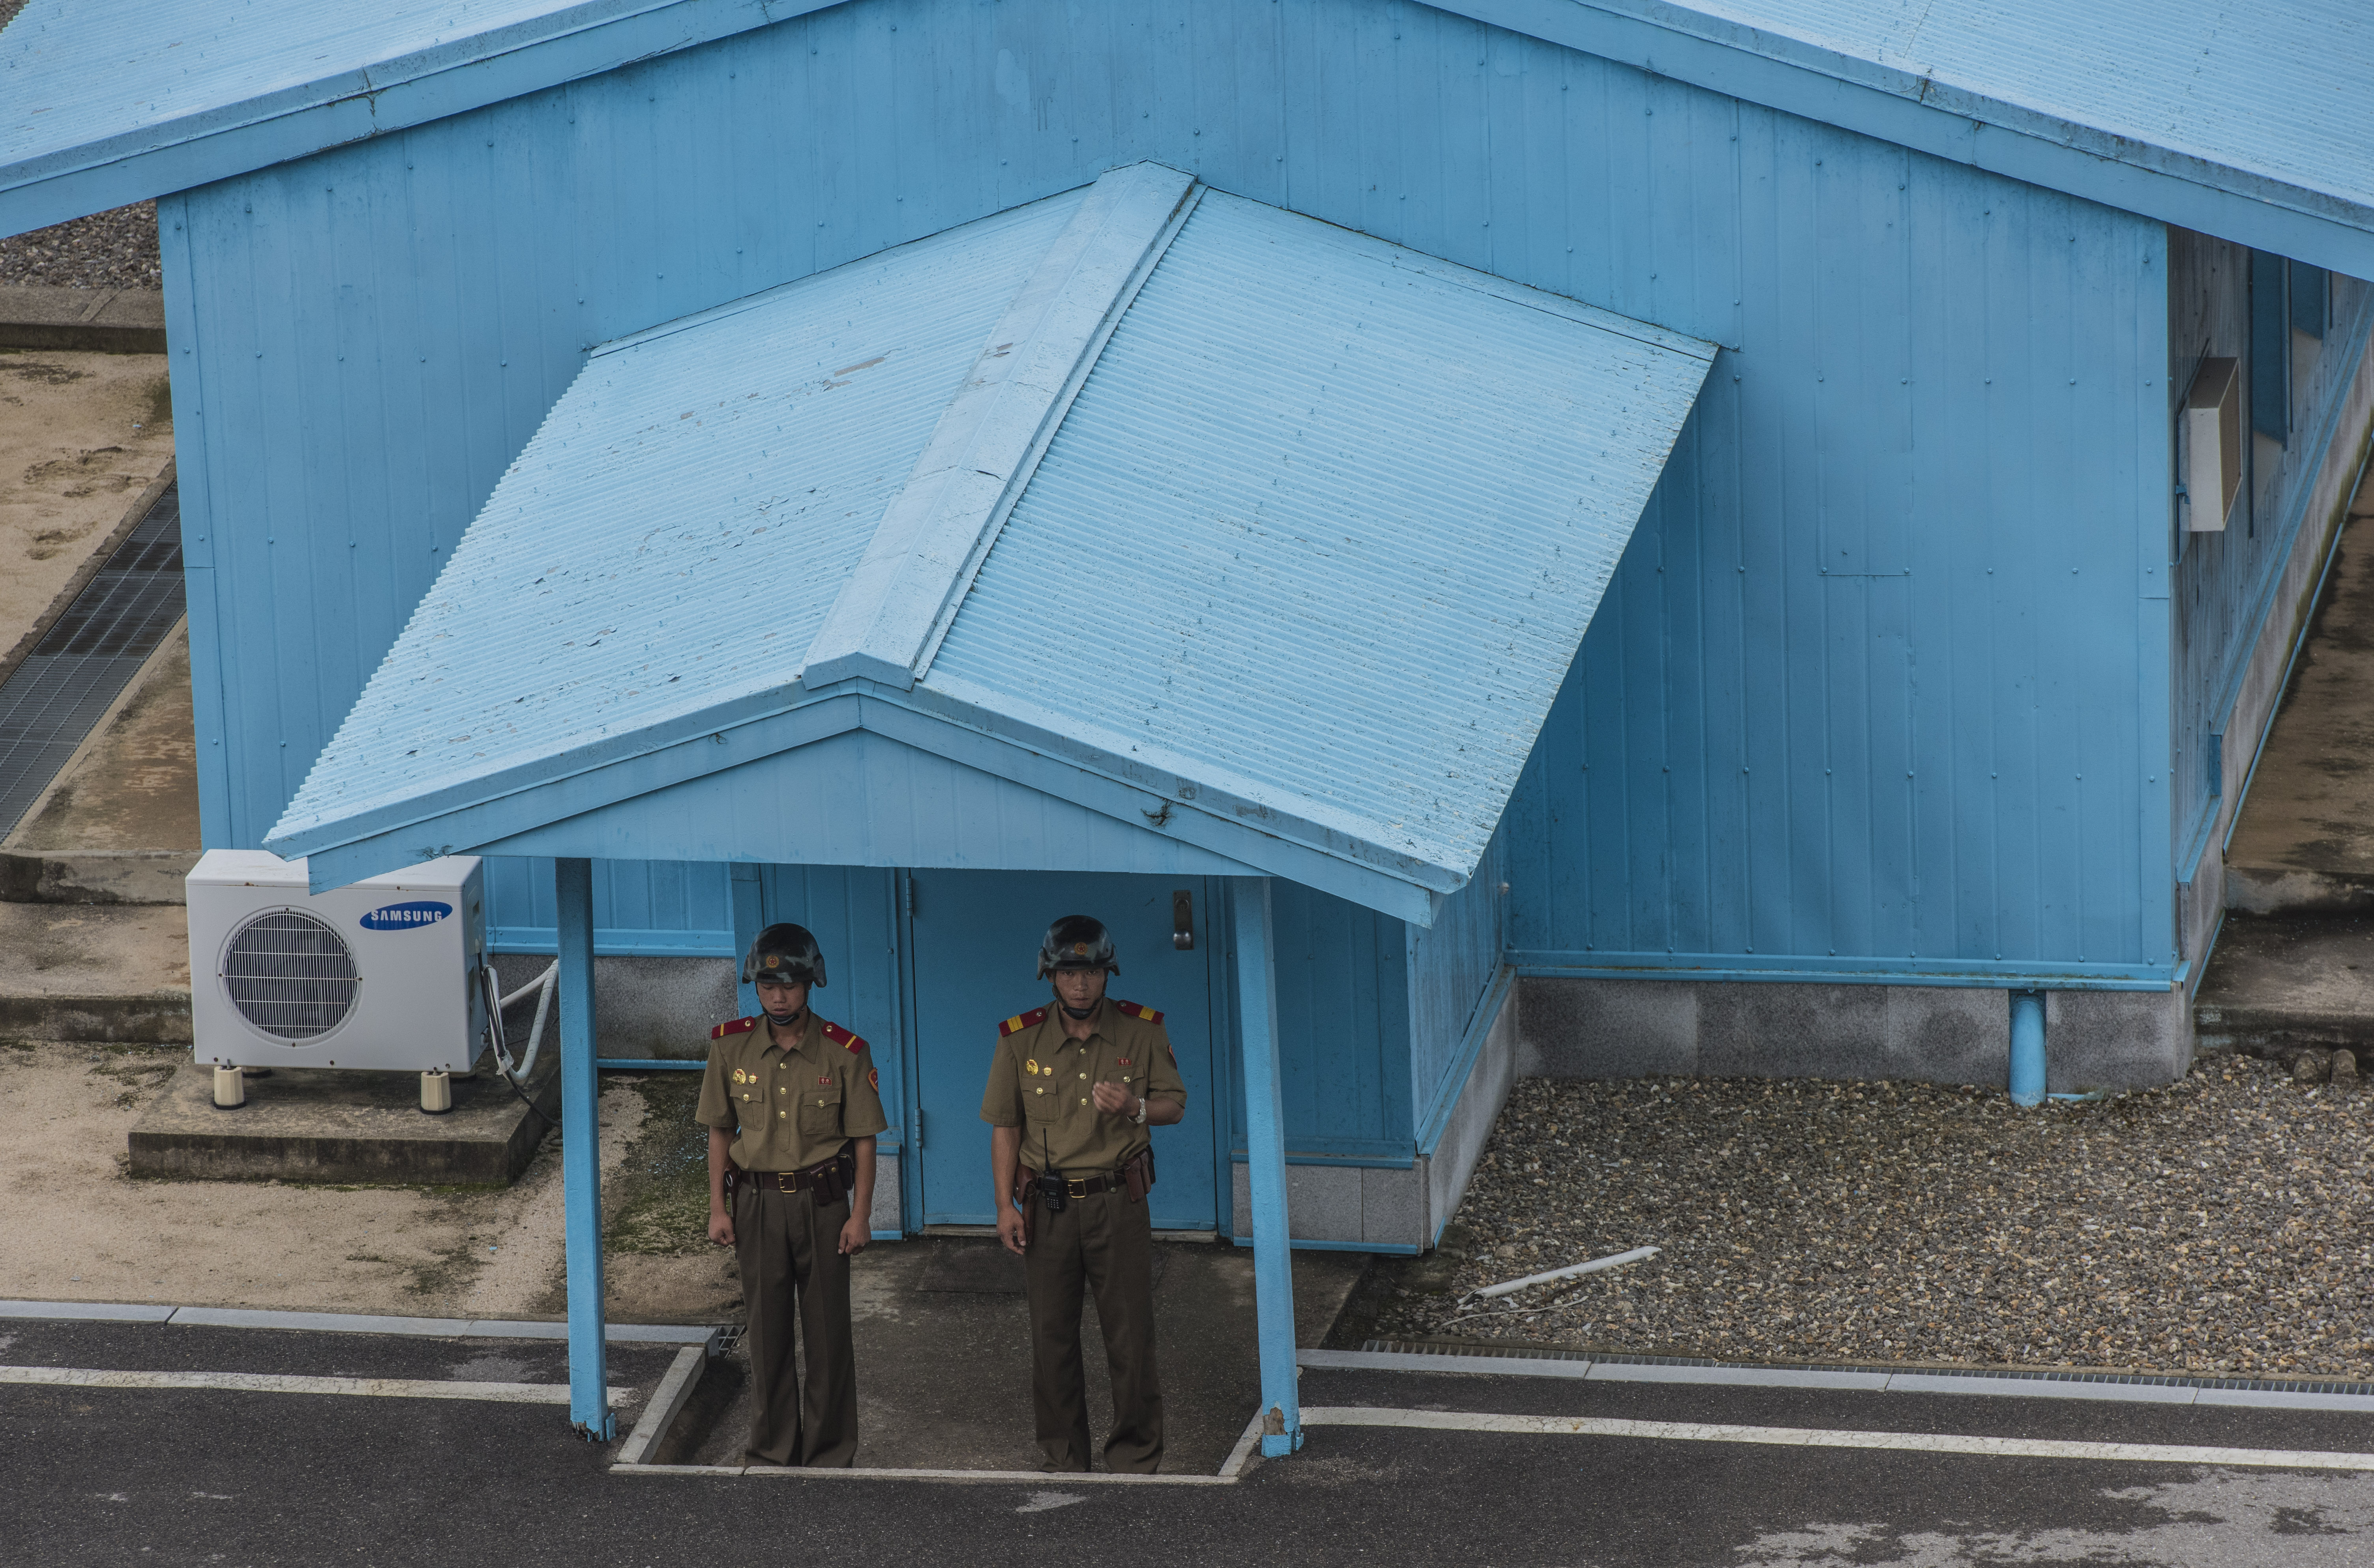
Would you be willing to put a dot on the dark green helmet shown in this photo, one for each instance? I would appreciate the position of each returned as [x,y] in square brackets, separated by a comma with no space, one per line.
[1077,941]
[784,955]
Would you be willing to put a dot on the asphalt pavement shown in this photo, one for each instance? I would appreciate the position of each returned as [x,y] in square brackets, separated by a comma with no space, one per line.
[103,1475]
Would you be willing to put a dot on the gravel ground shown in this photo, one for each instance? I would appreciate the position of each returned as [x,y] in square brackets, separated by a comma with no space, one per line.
[2220,1224]
[106,249]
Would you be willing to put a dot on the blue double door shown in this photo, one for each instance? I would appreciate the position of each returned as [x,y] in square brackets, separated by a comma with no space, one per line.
[975,941]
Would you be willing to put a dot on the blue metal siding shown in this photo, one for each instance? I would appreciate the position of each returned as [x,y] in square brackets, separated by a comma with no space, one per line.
[1789,705]
[643,907]
[1451,967]
[1343,1012]
[1872,684]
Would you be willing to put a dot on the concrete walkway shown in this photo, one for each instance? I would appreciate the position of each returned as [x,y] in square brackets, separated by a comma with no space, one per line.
[2305,841]
[943,1357]
[2292,970]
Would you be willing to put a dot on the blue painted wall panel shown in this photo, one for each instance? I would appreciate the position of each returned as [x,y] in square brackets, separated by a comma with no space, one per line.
[1344,1029]
[1877,680]
[650,907]
[853,911]
[1869,685]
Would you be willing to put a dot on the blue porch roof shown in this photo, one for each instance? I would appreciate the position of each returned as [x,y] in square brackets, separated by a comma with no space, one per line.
[2245,125]
[1165,529]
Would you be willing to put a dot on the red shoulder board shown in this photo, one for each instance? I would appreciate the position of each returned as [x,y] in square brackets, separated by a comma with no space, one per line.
[841,1037]
[733,1026]
[1134,1010]
[1030,1020]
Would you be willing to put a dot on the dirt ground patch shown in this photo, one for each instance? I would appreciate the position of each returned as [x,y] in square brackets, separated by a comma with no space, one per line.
[2223,1224]
[81,435]
[81,1230]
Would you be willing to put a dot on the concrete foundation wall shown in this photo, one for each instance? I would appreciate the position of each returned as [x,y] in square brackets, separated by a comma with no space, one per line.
[648,1007]
[1406,1206]
[1917,1033]
[1469,1126]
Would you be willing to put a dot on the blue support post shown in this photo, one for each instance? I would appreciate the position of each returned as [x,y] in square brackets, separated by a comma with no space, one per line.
[1266,1166]
[2028,1047]
[581,1154]
[741,881]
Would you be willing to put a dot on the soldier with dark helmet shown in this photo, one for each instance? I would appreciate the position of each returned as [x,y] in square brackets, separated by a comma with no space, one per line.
[792,1103]
[1073,1089]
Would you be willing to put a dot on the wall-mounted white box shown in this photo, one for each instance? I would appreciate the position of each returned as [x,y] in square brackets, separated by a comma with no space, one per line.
[2213,445]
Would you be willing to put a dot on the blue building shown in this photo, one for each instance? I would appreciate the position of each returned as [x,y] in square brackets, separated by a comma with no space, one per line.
[1598,537]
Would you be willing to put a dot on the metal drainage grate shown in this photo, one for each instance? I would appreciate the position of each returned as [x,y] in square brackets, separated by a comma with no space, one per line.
[83,663]
[291,975]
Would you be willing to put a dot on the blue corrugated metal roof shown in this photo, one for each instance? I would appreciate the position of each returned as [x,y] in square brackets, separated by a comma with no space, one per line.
[668,543]
[1294,581]
[2276,89]
[1343,516]
[2243,121]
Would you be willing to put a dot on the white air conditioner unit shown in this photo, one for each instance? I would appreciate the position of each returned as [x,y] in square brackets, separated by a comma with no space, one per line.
[381,974]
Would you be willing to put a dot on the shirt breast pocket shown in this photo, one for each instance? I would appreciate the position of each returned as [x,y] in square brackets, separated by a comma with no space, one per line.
[820,1109]
[1041,1103]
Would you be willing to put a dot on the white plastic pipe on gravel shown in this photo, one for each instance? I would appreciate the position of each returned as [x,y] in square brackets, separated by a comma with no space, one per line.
[1615,1261]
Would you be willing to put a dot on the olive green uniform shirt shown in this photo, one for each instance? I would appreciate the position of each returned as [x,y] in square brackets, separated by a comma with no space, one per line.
[1040,1081]
[795,1108]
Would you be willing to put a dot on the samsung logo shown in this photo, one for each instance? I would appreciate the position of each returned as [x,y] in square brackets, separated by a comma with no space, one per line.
[402,916]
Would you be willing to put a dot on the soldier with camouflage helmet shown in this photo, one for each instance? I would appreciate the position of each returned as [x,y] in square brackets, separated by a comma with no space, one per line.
[1073,1089]
[792,1103]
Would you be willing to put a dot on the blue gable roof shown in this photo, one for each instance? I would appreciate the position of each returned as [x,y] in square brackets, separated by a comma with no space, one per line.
[2248,127]
[1247,533]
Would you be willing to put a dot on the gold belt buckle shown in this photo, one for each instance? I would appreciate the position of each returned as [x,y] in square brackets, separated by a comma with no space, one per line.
[1076,1185]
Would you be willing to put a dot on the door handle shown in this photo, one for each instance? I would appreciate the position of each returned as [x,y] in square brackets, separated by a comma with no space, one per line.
[1182,920]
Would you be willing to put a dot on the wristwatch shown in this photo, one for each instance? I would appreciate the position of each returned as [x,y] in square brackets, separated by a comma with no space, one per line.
[1140,1117]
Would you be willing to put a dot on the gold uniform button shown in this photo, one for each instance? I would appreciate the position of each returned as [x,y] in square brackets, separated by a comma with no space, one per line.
[782,1116]
[1084,1075]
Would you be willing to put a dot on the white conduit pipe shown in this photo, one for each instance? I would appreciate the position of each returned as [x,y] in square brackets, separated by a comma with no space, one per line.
[546,983]
[1617,1261]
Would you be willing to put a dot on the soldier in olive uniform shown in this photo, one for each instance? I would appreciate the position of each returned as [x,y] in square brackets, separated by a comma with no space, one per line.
[1072,1091]
[792,1104]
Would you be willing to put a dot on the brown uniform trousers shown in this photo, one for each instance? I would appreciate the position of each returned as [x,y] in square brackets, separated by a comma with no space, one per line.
[789,1247]
[1105,1243]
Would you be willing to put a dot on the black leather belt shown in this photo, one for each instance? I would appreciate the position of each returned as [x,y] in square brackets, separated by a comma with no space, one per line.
[1086,1186]
[782,1181]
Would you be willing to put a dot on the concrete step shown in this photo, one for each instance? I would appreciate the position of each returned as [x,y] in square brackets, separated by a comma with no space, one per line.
[318,1125]
[2278,984]
[110,321]
[95,875]
[95,972]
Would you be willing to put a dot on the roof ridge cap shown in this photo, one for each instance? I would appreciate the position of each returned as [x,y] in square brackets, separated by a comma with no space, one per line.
[898,601]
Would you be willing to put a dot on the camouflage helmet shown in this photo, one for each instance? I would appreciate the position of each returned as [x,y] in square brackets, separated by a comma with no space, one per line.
[1077,941]
[784,955]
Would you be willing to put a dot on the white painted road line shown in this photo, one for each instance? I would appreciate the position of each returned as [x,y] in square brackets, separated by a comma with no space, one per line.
[281,1382]
[1813,1437]
[347,1323]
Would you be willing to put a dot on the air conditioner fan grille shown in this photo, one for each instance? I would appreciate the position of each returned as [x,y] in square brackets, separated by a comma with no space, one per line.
[291,975]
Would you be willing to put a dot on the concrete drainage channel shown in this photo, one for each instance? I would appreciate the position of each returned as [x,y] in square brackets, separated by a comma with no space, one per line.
[49,701]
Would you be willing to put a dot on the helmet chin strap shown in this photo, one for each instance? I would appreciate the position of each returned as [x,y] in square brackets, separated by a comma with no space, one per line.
[1076,1014]
[784,1020]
